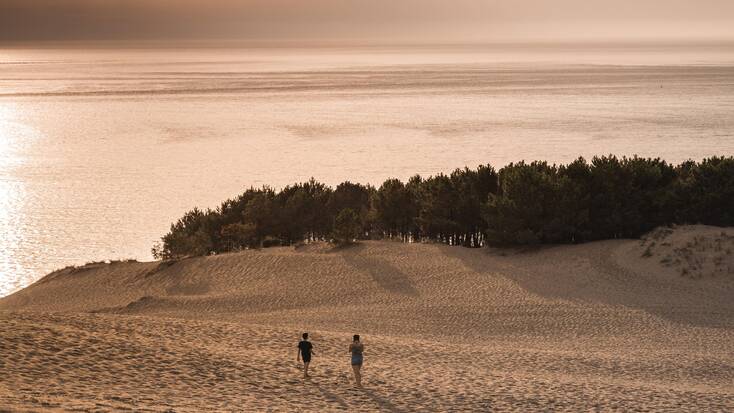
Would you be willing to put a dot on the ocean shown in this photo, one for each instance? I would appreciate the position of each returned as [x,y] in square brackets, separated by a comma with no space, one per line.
[101,149]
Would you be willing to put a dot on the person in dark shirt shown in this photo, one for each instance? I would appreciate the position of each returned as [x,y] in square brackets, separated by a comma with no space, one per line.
[305,351]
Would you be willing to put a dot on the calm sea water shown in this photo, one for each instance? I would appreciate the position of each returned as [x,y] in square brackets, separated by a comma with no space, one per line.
[100,150]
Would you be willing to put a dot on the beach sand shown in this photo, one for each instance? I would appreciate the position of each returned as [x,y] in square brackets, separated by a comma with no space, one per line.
[611,325]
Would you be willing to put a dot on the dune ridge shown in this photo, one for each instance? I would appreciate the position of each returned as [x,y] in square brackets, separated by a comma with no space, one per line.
[600,326]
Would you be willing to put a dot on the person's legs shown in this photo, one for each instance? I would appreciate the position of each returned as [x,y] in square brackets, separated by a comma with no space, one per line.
[357,374]
[305,368]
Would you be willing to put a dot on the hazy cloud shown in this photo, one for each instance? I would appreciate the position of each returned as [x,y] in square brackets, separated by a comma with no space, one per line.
[413,20]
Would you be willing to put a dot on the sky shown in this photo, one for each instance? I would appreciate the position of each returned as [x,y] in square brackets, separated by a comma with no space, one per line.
[367,20]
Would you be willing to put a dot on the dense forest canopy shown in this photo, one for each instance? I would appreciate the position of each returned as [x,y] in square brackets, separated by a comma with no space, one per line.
[522,203]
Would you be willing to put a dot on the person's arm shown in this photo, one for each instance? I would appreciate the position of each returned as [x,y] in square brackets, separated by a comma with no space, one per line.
[312,352]
[298,356]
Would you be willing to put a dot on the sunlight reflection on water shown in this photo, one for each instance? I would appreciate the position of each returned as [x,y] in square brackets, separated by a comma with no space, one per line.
[11,209]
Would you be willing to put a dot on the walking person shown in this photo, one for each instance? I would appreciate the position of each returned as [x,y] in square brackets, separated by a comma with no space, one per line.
[305,351]
[357,350]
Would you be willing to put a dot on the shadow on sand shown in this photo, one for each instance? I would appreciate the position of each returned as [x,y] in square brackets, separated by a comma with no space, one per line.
[384,404]
[588,273]
[328,395]
[385,274]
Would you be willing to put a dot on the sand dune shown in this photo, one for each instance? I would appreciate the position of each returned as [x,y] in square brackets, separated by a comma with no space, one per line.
[613,325]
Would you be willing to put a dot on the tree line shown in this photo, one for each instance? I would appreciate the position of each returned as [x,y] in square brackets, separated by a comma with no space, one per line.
[522,203]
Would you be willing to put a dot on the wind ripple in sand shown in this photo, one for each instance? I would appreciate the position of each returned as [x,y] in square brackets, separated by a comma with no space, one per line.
[574,328]
[107,362]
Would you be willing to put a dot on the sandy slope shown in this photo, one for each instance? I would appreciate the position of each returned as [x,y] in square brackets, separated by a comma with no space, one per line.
[604,326]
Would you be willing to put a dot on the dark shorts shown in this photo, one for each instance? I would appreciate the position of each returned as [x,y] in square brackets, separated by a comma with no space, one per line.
[357,360]
[306,359]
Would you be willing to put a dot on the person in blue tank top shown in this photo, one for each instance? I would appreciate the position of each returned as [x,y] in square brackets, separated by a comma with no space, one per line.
[357,350]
